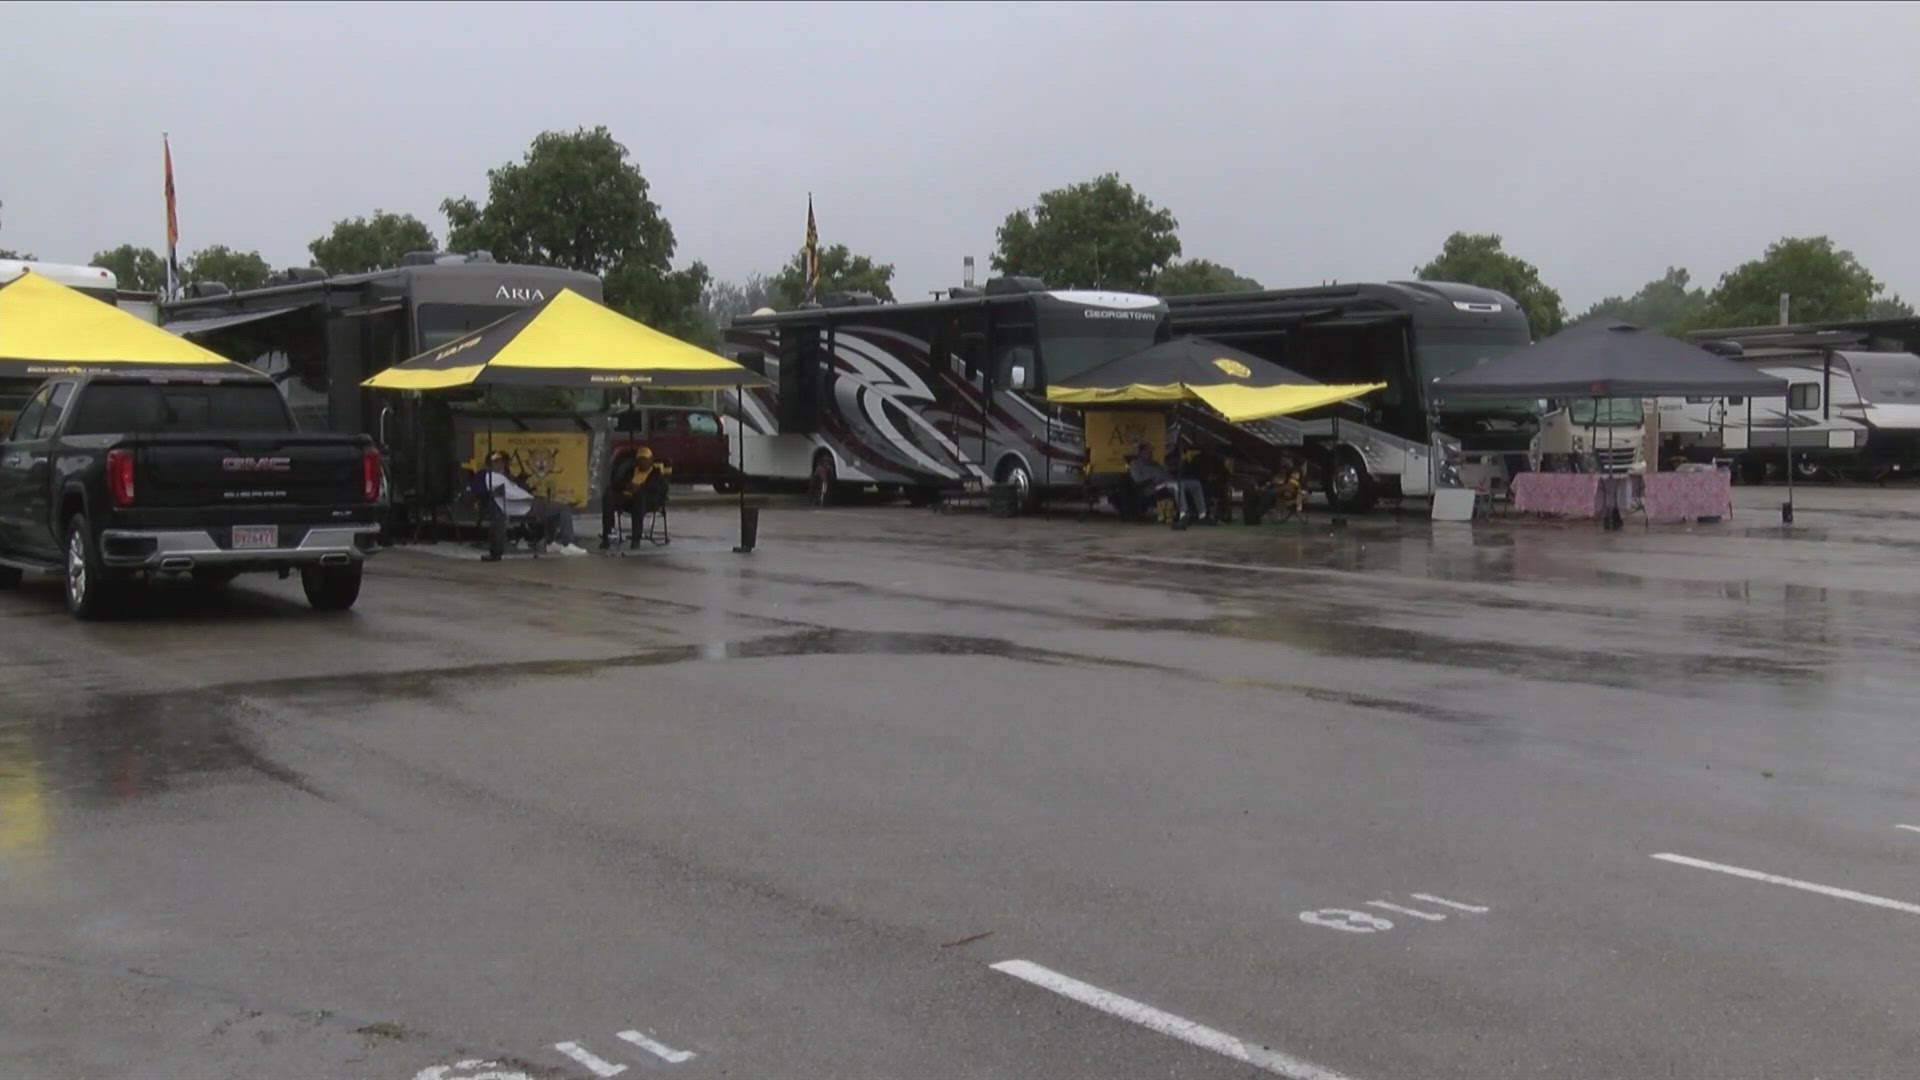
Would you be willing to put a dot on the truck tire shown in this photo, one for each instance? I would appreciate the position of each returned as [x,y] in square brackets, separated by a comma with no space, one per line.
[332,588]
[1350,488]
[10,577]
[91,592]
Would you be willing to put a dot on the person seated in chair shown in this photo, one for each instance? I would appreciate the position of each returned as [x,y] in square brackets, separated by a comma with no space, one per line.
[1190,500]
[507,500]
[639,492]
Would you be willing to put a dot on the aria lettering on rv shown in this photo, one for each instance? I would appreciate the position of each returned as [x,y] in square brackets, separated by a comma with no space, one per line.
[523,293]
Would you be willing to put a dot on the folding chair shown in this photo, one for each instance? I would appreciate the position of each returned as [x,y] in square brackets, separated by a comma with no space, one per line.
[651,508]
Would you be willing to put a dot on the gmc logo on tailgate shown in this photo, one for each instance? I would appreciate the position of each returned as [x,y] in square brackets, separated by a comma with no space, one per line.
[257,464]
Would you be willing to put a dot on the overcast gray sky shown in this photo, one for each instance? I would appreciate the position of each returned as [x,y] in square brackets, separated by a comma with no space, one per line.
[1294,142]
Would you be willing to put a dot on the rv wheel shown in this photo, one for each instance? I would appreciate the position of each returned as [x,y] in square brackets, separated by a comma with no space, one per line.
[1807,468]
[1349,484]
[1026,493]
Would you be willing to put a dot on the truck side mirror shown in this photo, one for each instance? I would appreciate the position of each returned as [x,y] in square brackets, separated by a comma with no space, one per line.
[753,360]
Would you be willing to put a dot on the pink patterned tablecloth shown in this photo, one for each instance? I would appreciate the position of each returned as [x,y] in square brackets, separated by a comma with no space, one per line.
[1683,496]
[1574,495]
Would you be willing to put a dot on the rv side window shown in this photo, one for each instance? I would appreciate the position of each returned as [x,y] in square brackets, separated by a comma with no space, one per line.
[1736,401]
[1804,396]
[1699,400]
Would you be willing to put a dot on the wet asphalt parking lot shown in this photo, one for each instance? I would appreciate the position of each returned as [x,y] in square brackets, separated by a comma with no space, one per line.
[912,794]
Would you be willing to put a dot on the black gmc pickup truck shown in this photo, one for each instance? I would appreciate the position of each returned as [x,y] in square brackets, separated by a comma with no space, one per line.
[108,478]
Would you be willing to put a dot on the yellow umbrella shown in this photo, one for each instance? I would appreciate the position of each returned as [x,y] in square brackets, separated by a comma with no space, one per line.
[565,341]
[49,329]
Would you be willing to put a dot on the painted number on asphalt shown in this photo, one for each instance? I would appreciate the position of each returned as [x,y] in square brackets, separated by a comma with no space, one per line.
[474,1069]
[581,1056]
[1365,922]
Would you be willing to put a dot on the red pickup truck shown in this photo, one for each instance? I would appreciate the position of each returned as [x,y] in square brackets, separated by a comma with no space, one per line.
[690,440]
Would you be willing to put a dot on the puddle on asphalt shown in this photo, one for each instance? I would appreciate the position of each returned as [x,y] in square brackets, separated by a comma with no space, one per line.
[125,749]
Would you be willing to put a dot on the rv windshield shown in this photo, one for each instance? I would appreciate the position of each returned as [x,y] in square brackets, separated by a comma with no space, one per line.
[441,323]
[1443,350]
[1076,338]
[1886,378]
[1606,412]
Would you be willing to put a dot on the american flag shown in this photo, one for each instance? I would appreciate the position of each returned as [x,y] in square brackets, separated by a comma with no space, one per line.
[812,253]
[173,226]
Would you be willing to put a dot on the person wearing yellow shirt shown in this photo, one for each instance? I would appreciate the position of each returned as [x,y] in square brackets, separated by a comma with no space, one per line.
[634,493]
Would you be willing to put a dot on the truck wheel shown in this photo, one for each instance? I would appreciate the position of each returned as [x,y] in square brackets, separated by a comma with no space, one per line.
[1350,487]
[91,593]
[332,588]
[9,577]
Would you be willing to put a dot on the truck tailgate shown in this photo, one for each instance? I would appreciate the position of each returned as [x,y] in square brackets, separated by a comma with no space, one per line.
[220,470]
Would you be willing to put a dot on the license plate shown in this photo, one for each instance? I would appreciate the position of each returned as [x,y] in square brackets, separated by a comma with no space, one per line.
[256,536]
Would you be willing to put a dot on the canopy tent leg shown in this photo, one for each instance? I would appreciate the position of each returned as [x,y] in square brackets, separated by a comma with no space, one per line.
[1786,508]
[749,527]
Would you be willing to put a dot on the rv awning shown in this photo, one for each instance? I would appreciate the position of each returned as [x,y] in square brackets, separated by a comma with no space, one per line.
[183,327]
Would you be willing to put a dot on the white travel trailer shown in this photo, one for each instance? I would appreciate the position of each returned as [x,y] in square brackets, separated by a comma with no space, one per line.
[1848,411]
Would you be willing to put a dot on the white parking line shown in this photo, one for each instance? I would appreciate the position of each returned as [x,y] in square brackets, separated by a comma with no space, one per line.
[594,1064]
[1909,828]
[657,1049]
[1165,1022]
[1427,915]
[1456,905]
[1793,883]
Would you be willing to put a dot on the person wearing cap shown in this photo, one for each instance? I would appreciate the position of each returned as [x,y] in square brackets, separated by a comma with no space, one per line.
[1190,499]
[632,494]
[508,500]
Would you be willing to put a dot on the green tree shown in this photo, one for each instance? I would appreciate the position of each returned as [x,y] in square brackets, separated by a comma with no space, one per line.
[1097,234]
[357,245]
[1889,306]
[724,300]
[575,201]
[1825,284]
[235,269]
[1477,259]
[1196,276]
[1665,304]
[9,253]
[138,269]
[840,271]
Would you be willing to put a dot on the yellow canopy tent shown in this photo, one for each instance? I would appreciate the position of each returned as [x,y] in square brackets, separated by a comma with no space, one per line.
[49,329]
[1238,385]
[566,341]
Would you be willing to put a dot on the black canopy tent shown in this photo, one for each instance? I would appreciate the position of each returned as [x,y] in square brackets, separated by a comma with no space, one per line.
[1609,358]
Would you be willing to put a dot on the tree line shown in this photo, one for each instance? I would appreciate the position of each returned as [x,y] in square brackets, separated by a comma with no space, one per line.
[576,200]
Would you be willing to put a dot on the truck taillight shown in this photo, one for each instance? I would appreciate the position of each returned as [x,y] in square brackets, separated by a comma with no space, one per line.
[120,477]
[369,476]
